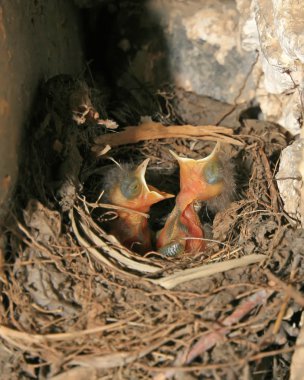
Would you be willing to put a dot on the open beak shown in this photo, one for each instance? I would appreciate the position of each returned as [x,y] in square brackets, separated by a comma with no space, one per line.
[150,194]
[188,161]
[140,171]
[200,179]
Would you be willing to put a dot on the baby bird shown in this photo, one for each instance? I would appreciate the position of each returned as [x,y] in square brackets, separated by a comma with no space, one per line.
[128,188]
[200,180]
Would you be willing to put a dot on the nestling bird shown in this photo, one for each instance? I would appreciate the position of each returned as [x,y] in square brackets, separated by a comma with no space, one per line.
[200,180]
[127,188]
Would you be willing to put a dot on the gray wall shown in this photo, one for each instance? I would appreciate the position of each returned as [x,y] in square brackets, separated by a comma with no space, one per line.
[38,39]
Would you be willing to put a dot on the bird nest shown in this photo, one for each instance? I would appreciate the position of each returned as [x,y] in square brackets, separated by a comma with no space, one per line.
[77,303]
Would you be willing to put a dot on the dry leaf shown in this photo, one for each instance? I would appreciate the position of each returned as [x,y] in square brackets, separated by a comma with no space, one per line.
[44,223]
[49,288]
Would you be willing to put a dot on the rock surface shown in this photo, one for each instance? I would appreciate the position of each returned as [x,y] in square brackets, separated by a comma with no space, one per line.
[191,45]
[280,42]
[234,51]
[289,179]
[203,52]
[280,90]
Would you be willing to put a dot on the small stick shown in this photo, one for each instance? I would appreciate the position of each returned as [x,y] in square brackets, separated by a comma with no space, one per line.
[281,314]
[272,189]
[289,290]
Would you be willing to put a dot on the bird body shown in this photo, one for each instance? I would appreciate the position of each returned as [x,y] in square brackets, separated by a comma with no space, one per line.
[128,189]
[132,230]
[183,232]
[200,180]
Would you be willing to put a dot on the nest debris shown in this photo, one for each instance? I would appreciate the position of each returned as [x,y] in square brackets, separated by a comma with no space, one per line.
[75,302]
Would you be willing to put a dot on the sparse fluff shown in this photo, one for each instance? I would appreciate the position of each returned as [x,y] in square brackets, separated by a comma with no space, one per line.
[113,176]
[228,195]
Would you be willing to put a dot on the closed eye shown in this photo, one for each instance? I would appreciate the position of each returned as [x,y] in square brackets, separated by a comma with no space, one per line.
[213,172]
[130,187]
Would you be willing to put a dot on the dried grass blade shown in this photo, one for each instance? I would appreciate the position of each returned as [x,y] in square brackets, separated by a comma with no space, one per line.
[109,238]
[6,332]
[202,271]
[153,131]
[94,252]
[168,282]
[77,373]
[123,260]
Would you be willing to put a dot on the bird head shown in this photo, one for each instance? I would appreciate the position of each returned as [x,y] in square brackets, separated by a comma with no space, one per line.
[130,190]
[201,179]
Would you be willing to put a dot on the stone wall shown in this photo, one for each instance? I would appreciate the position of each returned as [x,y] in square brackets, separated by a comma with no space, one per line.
[235,51]
[275,29]
[239,51]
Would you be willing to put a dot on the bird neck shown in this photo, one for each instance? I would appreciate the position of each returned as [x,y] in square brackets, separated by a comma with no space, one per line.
[183,200]
[195,229]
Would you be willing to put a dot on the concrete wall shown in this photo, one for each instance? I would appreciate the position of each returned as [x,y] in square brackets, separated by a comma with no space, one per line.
[38,39]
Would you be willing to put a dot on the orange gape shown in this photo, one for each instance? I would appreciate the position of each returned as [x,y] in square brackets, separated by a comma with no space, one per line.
[131,191]
[200,180]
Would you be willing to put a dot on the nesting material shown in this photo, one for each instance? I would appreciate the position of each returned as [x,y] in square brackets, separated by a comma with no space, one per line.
[74,296]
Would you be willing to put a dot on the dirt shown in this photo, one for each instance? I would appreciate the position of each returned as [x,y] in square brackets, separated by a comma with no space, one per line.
[68,300]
